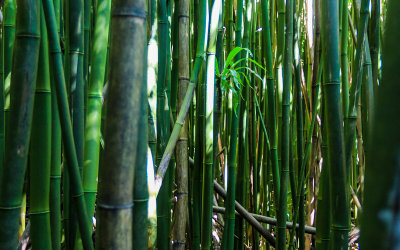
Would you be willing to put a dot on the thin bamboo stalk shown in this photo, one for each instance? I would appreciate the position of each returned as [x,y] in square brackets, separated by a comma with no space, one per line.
[287,85]
[55,175]
[267,220]
[271,101]
[350,121]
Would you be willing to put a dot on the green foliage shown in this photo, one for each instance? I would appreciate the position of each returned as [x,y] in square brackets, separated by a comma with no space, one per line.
[233,72]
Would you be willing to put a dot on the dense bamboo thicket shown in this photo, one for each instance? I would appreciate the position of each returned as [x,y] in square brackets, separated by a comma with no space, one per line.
[199,124]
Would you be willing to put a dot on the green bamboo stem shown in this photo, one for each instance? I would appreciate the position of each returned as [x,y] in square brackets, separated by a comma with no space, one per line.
[243,112]
[344,57]
[182,157]
[252,128]
[162,120]
[200,20]
[271,101]
[55,174]
[374,41]
[40,151]
[208,170]
[24,71]
[280,17]
[323,214]
[115,208]
[382,187]
[287,85]
[175,58]
[228,235]
[140,234]
[65,120]
[1,98]
[77,86]
[350,121]
[338,180]
[87,20]
[8,44]
[95,94]
[367,98]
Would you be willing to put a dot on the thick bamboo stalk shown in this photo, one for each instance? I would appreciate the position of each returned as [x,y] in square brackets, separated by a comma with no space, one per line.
[140,223]
[182,157]
[95,95]
[381,187]
[323,206]
[24,71]
[338,180]
[116,176]
[40,151]
[208,169]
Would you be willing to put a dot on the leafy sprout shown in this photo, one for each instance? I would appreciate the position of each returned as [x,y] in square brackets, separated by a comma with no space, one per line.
[234,72]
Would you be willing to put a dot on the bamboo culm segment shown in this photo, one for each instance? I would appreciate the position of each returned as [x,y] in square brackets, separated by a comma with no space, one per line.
[182,157]
[95,94]
[23,80]
[380,199]
[114,208]
[40,150]
[338,180]
[287,85]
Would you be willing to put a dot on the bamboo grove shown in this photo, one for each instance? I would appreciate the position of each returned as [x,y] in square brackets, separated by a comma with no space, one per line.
[199,124]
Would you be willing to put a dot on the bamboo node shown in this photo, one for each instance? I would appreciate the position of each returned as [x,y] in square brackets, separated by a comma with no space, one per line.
[115,207]
[120,12]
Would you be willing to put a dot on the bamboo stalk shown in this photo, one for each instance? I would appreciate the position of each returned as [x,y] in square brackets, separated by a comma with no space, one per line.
[95,95]
[350,120]
[182,161]
[208,171]
[23,80]
[40,151]
[55,175]
[382,187]
[287,85]
[114,208]
[338,180]
[267,220]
